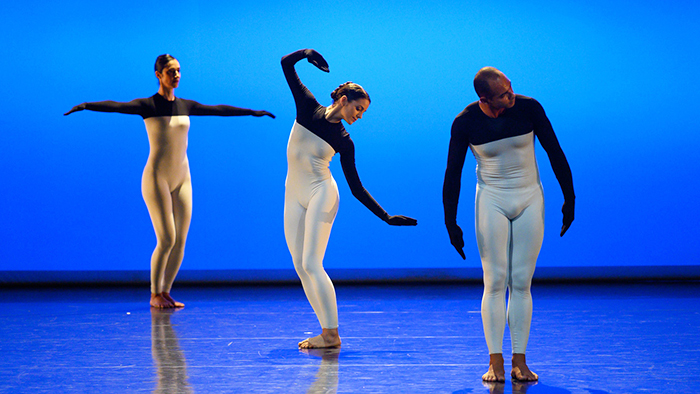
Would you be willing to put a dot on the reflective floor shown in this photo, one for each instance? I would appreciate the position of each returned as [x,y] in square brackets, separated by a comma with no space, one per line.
[600,338]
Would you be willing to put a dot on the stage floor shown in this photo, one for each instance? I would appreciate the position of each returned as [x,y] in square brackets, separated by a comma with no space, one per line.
[585,338]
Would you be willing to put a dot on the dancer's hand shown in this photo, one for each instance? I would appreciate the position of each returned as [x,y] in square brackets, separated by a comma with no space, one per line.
[400,220]
[457,238]
[316,59]
[263,113]
[77,108]
[568,210]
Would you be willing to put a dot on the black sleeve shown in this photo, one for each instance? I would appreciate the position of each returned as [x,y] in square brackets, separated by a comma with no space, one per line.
[347,161]
[550,143]
[198,109]
[303,98]
[133,107]
[453,174]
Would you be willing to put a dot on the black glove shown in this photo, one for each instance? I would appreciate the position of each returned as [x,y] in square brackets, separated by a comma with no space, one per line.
[400,220]
[456,238]
[263,113]
[77,108]
[568,210]
[316,59]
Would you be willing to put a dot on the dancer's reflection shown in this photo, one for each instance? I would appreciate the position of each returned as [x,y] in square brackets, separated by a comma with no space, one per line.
[168,357]
[519,387]
[326,381]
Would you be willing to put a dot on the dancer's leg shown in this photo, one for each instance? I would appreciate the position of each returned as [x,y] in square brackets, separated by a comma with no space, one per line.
[156,194]
[294,224]
[493,235]
[318,221]
[527,236]
[182,210]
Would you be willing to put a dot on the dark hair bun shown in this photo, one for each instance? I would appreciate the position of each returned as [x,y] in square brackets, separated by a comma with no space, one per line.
[162,61]
[352,90]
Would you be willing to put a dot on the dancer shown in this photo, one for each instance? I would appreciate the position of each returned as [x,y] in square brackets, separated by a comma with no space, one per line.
[166,185]
[500,129]
[311,194]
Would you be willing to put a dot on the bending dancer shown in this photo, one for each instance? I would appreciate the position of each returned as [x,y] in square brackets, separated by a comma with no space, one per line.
[500,129]
[166,185]
[311,194]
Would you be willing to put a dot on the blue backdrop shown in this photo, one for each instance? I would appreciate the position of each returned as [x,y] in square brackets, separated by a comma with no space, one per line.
[619,83]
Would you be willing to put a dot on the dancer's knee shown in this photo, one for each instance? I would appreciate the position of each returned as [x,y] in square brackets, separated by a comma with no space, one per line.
[178,250]
[495,282]
[521,286]
[312,266]
[299,268]
[166,242]
[521,281]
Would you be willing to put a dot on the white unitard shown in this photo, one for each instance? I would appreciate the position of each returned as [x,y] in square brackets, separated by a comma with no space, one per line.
[310,205]
[166,186]
[166,183]
[311,196]
[509,217]
[509,207]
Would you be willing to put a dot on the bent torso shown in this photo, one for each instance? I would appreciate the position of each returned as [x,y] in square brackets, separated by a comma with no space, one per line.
[308,158]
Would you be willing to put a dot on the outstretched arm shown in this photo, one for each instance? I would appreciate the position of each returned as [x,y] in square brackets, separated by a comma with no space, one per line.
[453,184]
[224,110]
[133,107]
[550,143]
[347,161]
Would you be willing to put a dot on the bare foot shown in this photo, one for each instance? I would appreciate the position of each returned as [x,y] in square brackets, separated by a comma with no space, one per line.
[329,338]
[496,372]
[520,370]
[160,302]
[176,304]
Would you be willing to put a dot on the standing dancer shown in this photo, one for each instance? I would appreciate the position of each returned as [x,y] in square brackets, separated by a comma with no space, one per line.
[311,194]
[500,129]
[166,184]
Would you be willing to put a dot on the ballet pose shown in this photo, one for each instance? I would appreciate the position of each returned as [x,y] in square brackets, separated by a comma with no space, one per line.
[500,130]
[166,184]
[311,194]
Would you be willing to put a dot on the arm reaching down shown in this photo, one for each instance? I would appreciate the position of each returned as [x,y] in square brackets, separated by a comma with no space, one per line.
[347,161]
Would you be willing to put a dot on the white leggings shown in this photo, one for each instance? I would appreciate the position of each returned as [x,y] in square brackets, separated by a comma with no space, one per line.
[171,213]
[309,212]
[509,233]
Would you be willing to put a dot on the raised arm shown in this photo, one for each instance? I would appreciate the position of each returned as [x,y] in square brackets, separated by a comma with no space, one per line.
[550,143]
[223,110]
[347,161]
[453,184]
[299,91]
[133,107]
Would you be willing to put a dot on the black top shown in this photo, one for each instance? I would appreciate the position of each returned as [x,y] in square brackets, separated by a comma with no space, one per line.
[473,126]
[158,105]
[311,115]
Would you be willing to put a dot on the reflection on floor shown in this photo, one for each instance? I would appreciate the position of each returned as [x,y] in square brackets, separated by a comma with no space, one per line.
[586,338]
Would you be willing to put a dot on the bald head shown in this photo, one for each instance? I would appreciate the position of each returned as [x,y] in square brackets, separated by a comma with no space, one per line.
[483,80]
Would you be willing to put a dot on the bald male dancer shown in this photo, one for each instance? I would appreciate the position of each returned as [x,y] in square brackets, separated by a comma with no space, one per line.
[500,129]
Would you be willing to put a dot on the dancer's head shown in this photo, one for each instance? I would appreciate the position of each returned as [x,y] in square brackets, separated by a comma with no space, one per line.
[494,88]
[352,99]
[167,71]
